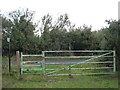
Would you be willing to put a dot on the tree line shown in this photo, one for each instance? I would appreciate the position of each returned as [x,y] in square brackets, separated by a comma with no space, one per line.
[29,37]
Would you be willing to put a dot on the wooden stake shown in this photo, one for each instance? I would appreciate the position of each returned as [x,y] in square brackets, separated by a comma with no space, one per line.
[18,62]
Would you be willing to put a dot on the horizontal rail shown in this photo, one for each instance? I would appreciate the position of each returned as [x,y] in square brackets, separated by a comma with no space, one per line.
[97,62]
[30,61]
[74,57]
[84,68]
[80,74]
[92,58]
[52,69]
[31,65]
[70,68]
[32,55]
[23,62]
[80,62]
[32,73]
[31,69]
[82,51]
[92,68]
[60,63]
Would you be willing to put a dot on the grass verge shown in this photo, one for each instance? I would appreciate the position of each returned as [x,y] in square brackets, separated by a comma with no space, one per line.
[12,80]
[40,81]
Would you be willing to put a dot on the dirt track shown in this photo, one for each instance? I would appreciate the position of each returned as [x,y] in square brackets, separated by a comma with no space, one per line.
[53,61]
[62,61]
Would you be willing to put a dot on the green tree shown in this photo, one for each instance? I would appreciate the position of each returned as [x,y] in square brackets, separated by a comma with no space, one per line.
[110,36]
[6,31]
[59,32]
[45,32]
[21,31]
[80,38]
[53,35]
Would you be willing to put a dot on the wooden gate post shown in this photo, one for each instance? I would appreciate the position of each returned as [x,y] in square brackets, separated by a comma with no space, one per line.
[18,62]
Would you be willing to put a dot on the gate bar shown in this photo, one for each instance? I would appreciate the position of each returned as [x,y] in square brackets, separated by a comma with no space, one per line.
[81,74]
[82,51]
[80,62]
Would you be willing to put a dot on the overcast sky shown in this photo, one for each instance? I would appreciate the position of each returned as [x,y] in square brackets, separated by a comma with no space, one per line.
[89,12]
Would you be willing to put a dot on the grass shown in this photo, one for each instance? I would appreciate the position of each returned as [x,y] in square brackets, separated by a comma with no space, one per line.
[39,81]
[12,80]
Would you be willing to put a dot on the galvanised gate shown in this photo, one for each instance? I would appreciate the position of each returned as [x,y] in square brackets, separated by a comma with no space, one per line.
[60,63]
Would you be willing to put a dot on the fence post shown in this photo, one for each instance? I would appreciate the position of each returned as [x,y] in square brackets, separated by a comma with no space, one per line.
[114,61]
[18,62]
[43,62]
[21,60]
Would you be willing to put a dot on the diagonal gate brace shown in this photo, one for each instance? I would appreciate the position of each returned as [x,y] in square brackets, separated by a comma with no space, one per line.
[79,63]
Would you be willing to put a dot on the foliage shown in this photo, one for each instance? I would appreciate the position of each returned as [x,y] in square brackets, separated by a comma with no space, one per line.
[58,35]
[21,31]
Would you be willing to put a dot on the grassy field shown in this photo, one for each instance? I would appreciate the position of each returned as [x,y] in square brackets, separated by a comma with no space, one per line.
[40,81]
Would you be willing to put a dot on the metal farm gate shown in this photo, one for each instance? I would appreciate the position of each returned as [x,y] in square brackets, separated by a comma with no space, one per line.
[60,63]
